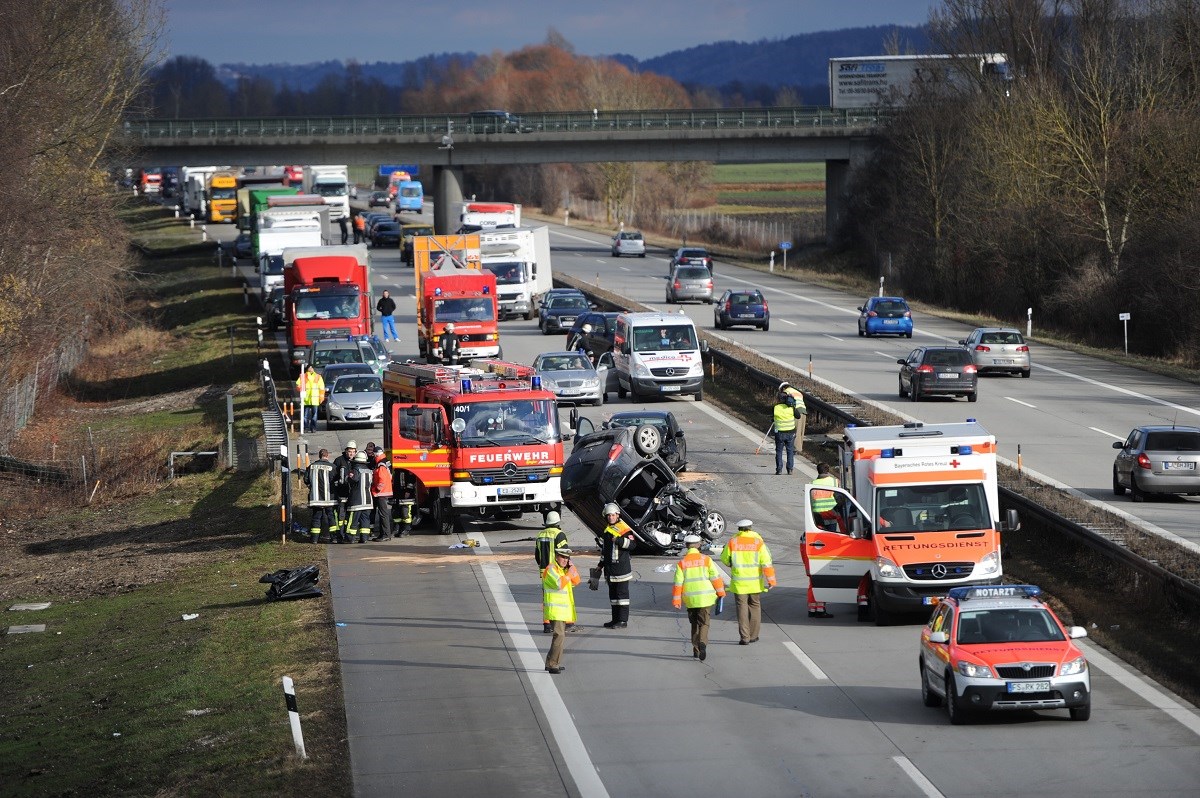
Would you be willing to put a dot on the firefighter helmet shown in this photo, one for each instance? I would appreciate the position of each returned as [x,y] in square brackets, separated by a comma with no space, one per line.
[612,509]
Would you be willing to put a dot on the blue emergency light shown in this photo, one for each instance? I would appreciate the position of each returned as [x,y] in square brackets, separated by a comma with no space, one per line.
[465,385]
[970,421]
[887,453]
[536,382]
[437,292]
[488,480]
[487,289]
[994,591]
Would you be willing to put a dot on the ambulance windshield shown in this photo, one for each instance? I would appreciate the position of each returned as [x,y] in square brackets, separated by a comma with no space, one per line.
[932,508]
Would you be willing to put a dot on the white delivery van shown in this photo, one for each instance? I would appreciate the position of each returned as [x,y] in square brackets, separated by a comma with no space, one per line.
[658,354]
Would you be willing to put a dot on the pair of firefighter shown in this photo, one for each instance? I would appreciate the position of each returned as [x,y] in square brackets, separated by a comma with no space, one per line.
[824,509]
[357,487]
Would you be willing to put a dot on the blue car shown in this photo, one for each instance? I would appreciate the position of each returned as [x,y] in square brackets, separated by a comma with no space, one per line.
[885,315]
[741,306]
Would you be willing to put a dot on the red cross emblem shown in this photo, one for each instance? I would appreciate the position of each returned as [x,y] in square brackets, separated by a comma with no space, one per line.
[955,463]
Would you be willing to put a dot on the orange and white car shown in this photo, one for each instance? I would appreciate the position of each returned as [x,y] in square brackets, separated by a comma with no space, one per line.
[1000,647]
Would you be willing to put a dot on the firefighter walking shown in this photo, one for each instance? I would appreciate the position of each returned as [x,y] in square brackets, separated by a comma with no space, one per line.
[616,545]
[698,586]
[558,603]
[752,573]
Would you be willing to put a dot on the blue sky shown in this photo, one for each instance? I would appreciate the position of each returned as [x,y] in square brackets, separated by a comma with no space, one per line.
[304,31]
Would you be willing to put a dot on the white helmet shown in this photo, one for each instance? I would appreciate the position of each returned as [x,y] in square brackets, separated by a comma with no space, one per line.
[586,328]
[692,539]
[611,509]
[450,327]
[553,518]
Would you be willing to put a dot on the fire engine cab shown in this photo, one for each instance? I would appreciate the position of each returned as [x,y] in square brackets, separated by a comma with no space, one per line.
[478,442]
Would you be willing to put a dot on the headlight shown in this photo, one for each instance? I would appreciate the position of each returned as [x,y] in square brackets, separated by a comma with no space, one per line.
[591,384]
[974,671]
[334,405]
[888,569]
[640,370]
[697,369]
[1077,665]
[990,564]
[377,407]
[549,384]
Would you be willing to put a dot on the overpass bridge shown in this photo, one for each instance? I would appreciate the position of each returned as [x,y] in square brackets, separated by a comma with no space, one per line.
[842,139]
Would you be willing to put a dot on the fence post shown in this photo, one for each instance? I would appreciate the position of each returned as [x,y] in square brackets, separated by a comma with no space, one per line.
[289,697]
[231,457]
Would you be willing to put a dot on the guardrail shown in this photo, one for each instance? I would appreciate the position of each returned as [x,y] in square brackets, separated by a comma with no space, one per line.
[279,443]
[584,122]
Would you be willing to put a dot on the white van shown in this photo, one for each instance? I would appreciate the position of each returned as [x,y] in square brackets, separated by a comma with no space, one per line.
[658,354]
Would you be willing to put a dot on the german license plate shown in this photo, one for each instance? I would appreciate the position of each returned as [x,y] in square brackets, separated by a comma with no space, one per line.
[947,376]
[670,389]
[515,490]
[1179,466]
[1002,362]
[890,321]
[1029,687]
[745,315]
[356,416]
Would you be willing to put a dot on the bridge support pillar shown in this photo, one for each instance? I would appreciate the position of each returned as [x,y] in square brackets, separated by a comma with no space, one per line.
[836,177]
[447,201]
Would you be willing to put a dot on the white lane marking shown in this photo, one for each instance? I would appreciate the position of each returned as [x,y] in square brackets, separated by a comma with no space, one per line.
[785,321]
[923,784]
[833,337]
[1155,697]
[805,660]
[562,727]
[1018,401]
[1109,434]
[885,354]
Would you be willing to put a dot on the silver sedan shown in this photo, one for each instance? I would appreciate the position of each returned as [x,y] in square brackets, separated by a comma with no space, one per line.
[355,399]
[572,377]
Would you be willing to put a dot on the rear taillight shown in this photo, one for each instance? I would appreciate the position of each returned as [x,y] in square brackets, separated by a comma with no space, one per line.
[764,304]
[1143,461]
[729,307]
[708,284]
[969,369]
[615,452]
[677,285]
[872,314]
[982,348]
[925,369]
[1022,348]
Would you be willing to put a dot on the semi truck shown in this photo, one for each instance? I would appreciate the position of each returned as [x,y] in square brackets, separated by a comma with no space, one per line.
[872,81]
[289,226]
[478,442]
[193,198]
[477,216]
[222,197]
[332,183]
[251,200]
[452,287]
[327,295]
[918,514]
[520,259]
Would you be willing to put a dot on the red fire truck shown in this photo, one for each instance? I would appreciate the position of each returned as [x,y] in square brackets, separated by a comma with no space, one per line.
[479,441]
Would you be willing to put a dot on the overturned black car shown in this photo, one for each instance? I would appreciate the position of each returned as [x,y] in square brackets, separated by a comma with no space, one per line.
[622,465]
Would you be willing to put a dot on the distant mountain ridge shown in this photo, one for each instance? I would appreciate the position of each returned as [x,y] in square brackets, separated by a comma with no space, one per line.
[799,61]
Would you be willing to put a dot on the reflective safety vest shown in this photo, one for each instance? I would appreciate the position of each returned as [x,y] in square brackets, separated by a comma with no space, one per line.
[558,593]
[312,389]
[749,561]
[785,419]
[360,488]
[381,480]
[697,581]
[549,538]
[822,500]
[320,484]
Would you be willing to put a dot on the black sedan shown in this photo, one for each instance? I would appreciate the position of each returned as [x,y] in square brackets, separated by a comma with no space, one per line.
[243,246]
[558,313]
[672,445]
[385,234]
[600,339]
[379,199]
[938,370]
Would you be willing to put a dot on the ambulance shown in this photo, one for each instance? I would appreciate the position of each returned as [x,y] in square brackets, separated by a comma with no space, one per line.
[917,515]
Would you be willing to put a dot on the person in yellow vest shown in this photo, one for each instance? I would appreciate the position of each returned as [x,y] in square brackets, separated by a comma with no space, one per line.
[312,393]
[783,417]
[558,603]
[824,509]
[800,410]
[698,586]
[752,573]
[549,539]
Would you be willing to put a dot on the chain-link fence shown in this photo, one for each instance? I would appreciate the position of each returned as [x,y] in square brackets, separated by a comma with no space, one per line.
[20,398]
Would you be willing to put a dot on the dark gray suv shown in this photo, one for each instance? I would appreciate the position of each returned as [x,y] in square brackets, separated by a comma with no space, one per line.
[938,371]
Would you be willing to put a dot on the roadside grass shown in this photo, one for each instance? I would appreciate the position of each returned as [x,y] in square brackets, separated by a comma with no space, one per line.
[768,173]
[117,658]
[786,200]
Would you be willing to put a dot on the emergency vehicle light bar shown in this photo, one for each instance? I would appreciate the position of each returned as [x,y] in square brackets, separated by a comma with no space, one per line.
[994,591]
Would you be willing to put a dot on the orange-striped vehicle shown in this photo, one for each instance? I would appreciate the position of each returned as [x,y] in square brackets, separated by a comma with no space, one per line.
[918,513]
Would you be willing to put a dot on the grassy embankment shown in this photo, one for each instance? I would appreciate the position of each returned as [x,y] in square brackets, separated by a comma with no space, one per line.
[120,696]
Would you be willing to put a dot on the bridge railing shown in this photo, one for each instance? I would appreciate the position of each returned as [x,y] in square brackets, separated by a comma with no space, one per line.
[472,124]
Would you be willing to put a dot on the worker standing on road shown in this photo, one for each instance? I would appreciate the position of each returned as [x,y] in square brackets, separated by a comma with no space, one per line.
[448,346]
[824,510]
[752,573]
[312,393]
[319,479]
[387,309]
[344,228]
[800,411]
[558,602]
[381,495]
[360,226]
[698,586]
[359,525]
[616,544]
[783,415]
[547,541]
[343,468]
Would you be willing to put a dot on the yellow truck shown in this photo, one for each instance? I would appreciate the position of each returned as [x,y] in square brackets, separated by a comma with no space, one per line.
[222,197]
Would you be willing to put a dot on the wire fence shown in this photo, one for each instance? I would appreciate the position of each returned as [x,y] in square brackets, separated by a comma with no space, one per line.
[19,400]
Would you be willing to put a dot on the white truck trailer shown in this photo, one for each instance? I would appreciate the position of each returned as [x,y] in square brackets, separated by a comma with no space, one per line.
[520,259]
[332,183]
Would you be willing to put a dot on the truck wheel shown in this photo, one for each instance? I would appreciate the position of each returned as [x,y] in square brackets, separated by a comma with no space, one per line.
[882,616]
[443,518]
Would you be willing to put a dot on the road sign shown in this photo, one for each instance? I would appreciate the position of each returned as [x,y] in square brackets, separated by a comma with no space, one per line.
[785,245]
[1123,317]
[386,169]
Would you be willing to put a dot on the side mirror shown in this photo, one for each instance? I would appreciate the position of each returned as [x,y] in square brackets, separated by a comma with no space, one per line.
[939,637]
[862,310]
[704,346]
[1119,445]
[1076,632]
[962,342]
[1012,521]
[679,434]
[901,361]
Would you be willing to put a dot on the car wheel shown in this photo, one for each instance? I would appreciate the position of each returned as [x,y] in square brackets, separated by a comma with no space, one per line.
[954,711]
[647,440]
[642,255]
[700,395]
[1118,488]
[1135,492]
[528,315]
[900,381]
[973,396]
[1025,373]
[545,330]
[862,333]
[881,616]
[598,401]
[766,326]
[928,697]
[914,389]
[717,323]
[908,335]
[1082,713]
[714,526]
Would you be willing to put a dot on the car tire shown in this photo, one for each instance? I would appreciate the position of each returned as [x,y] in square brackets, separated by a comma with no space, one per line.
[529,315]
[1025,373]
[714,526]
[642,255]
[545,330]
[878,614]
[717,323]
[973,396]
[955,712]
[908,335]
[647,440]
[1135,492]
[1083,712]
[862,333]
[928,697]
[700,395]
[900,383]
[1118,488]
[599,400]
[766,327]
[914,390]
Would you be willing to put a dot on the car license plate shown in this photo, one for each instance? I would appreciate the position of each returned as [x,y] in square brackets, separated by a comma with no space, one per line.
[515,490]
[670,388]
[565,320]
[1179,466]
[355,416]
[1029,687]
[890,321]
[570,392]
[947,376]
[745,315]
[1000,362]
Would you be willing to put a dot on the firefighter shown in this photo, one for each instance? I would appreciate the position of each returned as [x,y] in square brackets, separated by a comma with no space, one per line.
[698,586]
[751,574]
[406,500]
[381,495]
[319,479]
[558,602]
[824,511]
[358,527]
[448,344]
[616,544]
[343,467]
[548,540]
